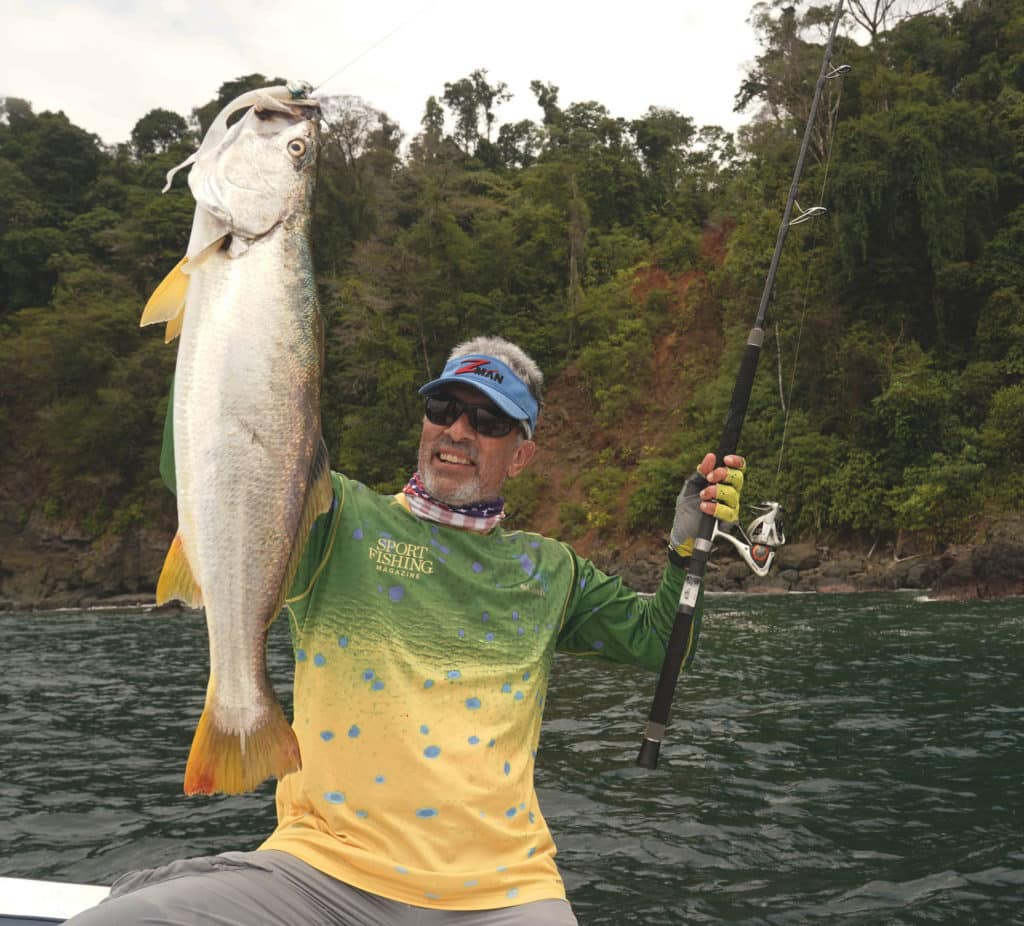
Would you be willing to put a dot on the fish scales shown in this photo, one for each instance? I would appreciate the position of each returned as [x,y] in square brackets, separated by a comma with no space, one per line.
[250,466]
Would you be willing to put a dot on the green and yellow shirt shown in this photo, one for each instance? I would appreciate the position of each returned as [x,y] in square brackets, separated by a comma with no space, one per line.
[423,654]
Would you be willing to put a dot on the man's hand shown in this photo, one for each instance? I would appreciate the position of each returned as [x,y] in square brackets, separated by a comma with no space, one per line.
[711,490]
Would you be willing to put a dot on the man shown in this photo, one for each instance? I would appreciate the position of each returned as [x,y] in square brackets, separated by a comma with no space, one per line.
[424,636]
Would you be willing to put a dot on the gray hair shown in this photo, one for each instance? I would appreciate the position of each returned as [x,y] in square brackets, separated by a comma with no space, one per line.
[513,356]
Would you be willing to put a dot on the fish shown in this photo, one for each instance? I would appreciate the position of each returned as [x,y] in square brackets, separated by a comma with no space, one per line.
[250,463]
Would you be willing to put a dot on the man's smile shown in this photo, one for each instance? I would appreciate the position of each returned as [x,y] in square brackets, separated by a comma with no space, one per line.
[454,455]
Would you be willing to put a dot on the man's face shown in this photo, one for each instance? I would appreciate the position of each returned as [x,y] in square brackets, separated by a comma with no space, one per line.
[461,467]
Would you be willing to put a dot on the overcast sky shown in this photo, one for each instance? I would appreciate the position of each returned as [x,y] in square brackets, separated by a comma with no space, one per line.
[107,63]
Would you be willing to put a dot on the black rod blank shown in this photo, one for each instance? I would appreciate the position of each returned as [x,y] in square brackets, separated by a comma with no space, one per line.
[680,639]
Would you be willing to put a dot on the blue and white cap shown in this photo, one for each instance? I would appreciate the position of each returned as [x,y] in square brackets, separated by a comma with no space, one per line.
[495,380]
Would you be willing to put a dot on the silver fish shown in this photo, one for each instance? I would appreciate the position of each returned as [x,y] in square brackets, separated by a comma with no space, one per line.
[250,463]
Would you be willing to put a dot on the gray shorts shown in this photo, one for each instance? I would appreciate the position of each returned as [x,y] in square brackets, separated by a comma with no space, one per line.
[272,887]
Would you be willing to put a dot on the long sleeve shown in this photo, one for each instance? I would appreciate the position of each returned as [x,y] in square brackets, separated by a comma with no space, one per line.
[606,618]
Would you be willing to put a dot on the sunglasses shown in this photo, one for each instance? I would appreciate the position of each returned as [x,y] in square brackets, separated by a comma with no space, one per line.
[445,411]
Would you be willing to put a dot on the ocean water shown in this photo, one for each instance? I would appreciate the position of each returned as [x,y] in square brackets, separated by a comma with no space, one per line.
[831,759]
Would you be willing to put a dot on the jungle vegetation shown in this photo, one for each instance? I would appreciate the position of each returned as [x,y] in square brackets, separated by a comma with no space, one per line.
[628,255]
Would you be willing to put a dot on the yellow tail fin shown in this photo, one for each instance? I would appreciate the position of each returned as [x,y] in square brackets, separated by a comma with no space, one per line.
[176,579]
[226,762]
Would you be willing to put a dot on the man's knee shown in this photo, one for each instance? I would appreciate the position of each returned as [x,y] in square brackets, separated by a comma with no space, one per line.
[182,893]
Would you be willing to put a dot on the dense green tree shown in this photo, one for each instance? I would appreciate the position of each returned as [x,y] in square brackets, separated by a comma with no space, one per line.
[628,255]
[56,156]
[359,156]
[472,101]
[157,131]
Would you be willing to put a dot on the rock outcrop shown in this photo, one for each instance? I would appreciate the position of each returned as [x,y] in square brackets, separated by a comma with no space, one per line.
[53,564]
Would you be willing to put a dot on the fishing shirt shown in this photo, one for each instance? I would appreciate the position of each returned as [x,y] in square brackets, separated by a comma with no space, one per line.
[423,654]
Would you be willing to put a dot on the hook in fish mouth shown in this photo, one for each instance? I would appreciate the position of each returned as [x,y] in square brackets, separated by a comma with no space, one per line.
[299,89]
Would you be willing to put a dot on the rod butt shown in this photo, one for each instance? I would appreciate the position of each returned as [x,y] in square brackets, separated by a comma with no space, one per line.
[648,755]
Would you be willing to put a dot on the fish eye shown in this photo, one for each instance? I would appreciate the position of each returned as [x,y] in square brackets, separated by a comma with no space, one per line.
[297,147]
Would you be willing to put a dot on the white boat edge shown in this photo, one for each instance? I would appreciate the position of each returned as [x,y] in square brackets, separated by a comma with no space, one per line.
[53,900]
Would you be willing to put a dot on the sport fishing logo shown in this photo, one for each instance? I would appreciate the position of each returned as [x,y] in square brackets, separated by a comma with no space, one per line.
[399,558]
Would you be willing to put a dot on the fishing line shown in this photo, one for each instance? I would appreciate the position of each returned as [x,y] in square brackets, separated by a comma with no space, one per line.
[804,215]
[376,44]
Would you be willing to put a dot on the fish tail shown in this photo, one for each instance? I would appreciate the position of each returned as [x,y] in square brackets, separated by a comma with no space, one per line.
[231,762]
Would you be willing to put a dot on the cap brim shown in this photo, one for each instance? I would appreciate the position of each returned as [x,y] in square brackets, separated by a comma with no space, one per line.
[510,408]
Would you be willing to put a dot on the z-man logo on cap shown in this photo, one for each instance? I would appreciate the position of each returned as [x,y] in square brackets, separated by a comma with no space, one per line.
[478,367]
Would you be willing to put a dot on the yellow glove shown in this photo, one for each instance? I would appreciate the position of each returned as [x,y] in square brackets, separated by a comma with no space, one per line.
[710,490]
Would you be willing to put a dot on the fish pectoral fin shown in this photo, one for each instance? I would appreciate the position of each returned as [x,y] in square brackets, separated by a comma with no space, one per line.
[167,304]
[321,493]
[319,498]
[224,761]
[176,579]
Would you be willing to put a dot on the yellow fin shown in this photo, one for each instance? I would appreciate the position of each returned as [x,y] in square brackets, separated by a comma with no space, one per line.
[167,304]
[173,328]
[319,498]
[176,579]
[228,762]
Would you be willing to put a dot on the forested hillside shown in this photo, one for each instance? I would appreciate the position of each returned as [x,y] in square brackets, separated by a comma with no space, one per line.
[628,255]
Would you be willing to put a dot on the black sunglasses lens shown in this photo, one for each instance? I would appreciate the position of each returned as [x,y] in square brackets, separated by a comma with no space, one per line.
[446,412]
[442,411]
[489,424]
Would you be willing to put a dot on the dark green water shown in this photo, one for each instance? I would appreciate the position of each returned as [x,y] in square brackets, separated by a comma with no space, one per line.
[832,759]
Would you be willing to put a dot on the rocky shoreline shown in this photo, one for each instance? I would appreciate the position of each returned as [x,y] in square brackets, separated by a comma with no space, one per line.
[992,570]
[53,566]
[993,567]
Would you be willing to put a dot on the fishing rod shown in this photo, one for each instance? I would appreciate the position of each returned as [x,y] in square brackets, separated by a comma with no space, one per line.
[682,630]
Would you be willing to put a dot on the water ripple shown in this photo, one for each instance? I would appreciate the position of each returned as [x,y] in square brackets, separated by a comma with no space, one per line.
[831,759]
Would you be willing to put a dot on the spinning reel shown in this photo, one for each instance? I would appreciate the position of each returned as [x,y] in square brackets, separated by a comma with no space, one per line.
[763,536]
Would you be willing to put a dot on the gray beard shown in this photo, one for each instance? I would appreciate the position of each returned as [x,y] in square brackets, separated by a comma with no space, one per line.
[468,493]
